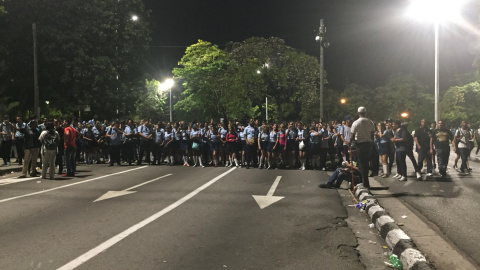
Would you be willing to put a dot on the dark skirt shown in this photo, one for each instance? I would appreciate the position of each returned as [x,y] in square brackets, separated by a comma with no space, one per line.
[315,149]
[184,145]
[231,147]
[382,149]
[264,145]
[291,145]
[213,146]
[270,147]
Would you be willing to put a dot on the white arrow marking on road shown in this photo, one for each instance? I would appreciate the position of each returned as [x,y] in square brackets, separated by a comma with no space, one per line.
[265,201]
[113,194]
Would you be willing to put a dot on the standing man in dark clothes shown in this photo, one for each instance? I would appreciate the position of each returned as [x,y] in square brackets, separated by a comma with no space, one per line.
[61,147]
[440,138]
[362,133]
[32,148]
[20,138]
[422,140]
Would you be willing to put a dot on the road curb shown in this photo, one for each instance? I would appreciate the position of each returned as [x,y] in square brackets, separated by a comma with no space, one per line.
[9,170]
[396,239]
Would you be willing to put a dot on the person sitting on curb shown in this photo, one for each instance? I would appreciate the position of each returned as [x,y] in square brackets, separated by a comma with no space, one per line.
[341,174]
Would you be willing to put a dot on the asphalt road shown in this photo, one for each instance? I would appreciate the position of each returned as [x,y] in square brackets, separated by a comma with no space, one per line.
[175,218]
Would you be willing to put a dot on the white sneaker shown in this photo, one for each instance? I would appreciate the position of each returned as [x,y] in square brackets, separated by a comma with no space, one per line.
[397,176]
[402,178]
[419,175]
[303,168]
[429,174]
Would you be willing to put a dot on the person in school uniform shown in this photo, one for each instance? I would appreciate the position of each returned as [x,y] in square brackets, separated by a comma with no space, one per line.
[214,142]
[292,146]
[232,140]
[129,145]
[7,135]
[263,146]
[185,144]
[222,132]
[114,135]
[272,146]
[250,143]
[145,133]
[196,139]
[168,145]
[302,142]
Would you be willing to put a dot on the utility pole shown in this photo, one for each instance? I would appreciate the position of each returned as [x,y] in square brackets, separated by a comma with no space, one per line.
[323,44]
[36,107]
[321,68]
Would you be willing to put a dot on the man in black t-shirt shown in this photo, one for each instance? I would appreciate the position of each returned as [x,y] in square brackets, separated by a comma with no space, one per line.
[422,140]
[441,139]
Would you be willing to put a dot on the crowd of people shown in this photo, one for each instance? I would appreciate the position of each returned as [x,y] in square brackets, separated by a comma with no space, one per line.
[252,144]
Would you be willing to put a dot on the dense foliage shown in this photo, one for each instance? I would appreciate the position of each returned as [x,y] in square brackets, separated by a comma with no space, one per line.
[90,53]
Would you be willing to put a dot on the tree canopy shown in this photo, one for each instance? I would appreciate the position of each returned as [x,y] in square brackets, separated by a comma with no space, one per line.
[90,52]
[235,82]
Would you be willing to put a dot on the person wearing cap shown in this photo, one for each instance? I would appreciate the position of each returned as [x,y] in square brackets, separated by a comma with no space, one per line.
[362,133]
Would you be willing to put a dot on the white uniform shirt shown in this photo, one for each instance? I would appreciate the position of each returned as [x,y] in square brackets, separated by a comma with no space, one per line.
[362,130]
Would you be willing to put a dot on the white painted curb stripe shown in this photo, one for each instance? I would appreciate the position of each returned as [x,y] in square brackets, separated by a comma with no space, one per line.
[362,197]
[383,220]
[357,193]
[69,185]
[372,210]
[394,236]
[411,256]
[119,237]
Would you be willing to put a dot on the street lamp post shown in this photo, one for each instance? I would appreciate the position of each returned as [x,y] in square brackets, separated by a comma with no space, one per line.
[436,11]
[167,85]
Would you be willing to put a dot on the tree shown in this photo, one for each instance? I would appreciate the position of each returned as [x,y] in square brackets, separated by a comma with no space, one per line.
[151,102]
[461,103]
[203,70]
[358,96]
[403,93]
[90,52]
[289,78]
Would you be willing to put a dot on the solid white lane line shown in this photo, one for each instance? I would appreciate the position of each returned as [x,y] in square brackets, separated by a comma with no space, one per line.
[117,238]
[148,182]
[69,185]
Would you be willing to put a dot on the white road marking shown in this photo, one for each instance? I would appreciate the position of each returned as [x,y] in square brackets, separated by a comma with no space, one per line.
[113,194]
[15,180]
[69,185]
[265,201]
[119,237]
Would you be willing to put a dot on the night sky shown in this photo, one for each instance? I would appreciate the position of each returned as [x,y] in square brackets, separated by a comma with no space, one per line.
[370,39]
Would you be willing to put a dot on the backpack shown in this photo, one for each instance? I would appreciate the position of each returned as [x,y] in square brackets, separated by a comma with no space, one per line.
[50,141]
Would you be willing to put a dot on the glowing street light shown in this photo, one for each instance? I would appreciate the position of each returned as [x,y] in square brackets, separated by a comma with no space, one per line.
[167,85]
[134,18]
[404,115]
[343,101]
[436,11]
